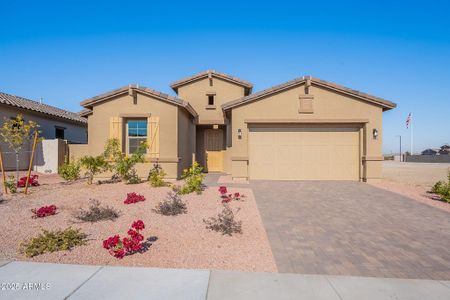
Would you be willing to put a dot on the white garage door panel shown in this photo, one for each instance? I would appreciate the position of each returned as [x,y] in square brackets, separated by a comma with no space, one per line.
[304,153]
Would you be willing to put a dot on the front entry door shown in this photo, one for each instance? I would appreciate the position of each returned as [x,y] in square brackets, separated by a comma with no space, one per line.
[214,150]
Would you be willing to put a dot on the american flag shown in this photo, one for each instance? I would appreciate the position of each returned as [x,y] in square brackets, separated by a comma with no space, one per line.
[408,121]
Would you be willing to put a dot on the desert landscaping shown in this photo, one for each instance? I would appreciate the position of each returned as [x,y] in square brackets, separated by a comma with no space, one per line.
[415,181]
[180,241]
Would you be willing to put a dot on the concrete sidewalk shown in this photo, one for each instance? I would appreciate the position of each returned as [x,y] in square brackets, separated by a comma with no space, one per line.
[28,280]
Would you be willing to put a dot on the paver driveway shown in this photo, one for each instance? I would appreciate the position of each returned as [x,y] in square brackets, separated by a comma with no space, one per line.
[352,228]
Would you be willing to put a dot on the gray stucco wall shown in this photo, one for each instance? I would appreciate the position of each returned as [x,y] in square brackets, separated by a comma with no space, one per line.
[74,133]
[428,158]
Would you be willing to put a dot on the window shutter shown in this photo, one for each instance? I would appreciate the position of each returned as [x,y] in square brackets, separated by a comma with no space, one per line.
[153,136]
[115,129]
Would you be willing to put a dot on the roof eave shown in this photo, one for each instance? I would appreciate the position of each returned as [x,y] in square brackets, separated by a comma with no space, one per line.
[175,85]
[385,104]
[89,103]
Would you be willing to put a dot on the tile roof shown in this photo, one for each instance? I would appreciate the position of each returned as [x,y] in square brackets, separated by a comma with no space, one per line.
[42,108]
[317,81]
[205,74]
[84,112]
[88,103]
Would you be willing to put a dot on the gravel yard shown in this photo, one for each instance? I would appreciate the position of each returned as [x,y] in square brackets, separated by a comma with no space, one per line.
[415,174]
[179,241]
[414,180]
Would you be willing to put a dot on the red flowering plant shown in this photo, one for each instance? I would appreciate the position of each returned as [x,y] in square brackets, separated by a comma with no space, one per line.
[228,197]
[118,247]
[133,198]
[32,181]
[44,211]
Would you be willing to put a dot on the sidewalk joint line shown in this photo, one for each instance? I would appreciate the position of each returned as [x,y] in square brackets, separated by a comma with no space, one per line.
[83,283]
[10,261]
[441,282]
[207,288]
[332,286]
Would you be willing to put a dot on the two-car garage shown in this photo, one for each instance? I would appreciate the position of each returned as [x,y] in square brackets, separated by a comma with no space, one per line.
[296,152]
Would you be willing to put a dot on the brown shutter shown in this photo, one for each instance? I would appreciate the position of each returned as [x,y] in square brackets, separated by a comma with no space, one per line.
[153,136]
[116,129]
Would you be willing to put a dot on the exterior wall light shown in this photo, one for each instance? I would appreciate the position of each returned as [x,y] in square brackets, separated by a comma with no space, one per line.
[239,133]
[375,134]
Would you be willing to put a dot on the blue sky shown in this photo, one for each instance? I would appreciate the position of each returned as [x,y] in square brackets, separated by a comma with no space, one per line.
[66,51]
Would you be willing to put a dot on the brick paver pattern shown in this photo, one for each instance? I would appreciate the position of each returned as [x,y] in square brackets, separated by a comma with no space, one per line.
[352,228]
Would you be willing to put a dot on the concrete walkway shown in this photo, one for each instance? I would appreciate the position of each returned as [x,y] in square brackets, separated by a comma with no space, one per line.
[29,280]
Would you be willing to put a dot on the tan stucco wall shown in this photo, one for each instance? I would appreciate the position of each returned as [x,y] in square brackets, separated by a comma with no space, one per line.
[186,140]
[74,133]
[327,105]
[99,126]
[196,94]
[76,151]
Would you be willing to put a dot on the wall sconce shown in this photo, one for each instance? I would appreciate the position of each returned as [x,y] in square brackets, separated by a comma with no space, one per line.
[239,133]
[375,134]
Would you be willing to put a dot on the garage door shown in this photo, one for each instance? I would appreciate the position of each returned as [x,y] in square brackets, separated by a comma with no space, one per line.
[304,153]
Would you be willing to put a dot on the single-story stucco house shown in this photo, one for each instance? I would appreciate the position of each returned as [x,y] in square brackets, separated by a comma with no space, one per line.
[55,123]
[305,129]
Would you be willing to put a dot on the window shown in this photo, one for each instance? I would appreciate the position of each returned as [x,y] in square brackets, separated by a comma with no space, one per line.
[16,124]
[137,133]
[59,133]
[210,99]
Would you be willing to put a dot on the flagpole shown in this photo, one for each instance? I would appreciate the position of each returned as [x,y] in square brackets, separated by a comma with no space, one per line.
[412,136]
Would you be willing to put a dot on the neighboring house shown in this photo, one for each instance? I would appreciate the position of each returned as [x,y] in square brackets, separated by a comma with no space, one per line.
[445,150]
[305,129]
[430,151]
[55,123]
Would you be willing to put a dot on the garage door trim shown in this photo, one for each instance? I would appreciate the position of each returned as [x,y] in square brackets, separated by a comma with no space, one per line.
[294,153]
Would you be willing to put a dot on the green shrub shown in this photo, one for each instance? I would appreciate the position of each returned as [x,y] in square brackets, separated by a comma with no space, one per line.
[225,222]
[94,165]
[114,179]
[70,170]
[132,177]
[193,178]
[51,241]
[11,184]
[97,213]
[443,189]
[123,164]
[446,198]
[439,187]
[171,206]
[156,176]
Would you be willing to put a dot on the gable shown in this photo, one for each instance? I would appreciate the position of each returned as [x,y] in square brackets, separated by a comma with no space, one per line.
[132,92]
[309,82]
[321,103]
[207,97]
[211,75]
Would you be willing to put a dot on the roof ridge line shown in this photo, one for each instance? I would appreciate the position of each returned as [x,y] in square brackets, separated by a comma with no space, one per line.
[279,87]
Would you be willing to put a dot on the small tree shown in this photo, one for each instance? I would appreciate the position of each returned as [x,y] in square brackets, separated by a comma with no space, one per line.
[193,178]
[15,132]
[124,164]
[94,165]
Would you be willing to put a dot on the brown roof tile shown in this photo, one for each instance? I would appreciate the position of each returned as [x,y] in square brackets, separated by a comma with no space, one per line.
[35,106]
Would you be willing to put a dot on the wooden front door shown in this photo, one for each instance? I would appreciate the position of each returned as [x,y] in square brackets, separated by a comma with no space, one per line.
[214,149]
